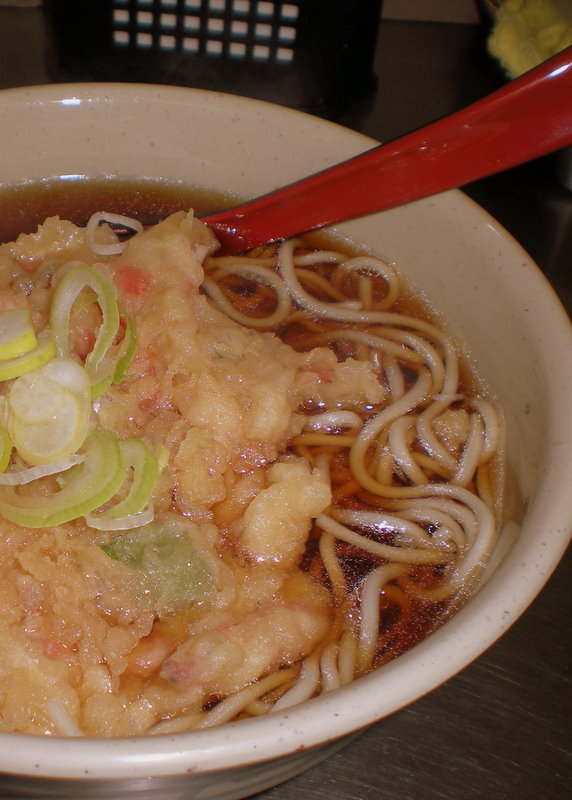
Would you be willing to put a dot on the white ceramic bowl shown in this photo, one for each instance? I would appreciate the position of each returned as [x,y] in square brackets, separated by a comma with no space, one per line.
[467,267]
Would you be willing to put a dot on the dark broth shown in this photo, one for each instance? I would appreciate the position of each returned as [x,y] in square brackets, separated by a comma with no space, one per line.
[25,206]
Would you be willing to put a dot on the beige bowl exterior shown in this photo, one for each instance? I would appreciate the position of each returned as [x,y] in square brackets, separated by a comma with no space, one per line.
[487,290]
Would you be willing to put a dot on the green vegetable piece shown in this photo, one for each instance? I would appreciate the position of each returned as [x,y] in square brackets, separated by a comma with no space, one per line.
[177,570]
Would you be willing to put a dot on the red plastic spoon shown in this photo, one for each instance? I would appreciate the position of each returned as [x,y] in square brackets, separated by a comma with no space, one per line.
[529,117]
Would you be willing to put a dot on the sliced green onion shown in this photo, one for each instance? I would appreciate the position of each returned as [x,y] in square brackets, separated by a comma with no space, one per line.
[68,374]
[34,397]
[44,350]
[34,473]
[127,523]
[162,454]
[127,348]
[81,277]
[101,381]
[138,456]
[17,335]
[111,248]
[94,483]
[117,361]
[5,448]
[49,411]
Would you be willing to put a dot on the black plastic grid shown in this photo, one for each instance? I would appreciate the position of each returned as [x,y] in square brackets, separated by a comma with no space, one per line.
[316,55]
[257,30]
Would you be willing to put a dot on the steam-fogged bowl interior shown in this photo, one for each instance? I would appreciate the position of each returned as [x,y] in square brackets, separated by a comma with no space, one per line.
[483,286]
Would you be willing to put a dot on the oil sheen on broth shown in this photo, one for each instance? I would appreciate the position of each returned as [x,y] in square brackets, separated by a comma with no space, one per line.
[352,517]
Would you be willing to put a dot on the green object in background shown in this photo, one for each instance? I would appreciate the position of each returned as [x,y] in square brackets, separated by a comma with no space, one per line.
[527,32]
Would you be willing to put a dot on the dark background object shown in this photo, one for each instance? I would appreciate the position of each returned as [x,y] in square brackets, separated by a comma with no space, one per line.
[314,55]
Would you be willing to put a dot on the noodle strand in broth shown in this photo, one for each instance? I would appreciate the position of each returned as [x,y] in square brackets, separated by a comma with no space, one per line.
[438,524]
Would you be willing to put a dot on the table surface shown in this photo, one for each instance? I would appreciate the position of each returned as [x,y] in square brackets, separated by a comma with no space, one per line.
[501,728]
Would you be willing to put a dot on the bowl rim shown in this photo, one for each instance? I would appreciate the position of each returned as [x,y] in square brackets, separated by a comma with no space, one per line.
[431,663]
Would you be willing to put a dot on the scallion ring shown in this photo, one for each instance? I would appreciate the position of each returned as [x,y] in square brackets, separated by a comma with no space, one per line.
[139,457]
[24,476]
[17,334]
[111,248]
[5,448]
[39,355]
[93,484]
[77,278]
[129,522]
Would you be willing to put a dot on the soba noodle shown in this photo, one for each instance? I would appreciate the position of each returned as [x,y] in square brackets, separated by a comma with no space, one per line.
[331,491]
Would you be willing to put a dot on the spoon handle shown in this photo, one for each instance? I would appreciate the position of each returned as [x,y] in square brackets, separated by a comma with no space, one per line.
[527,118]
